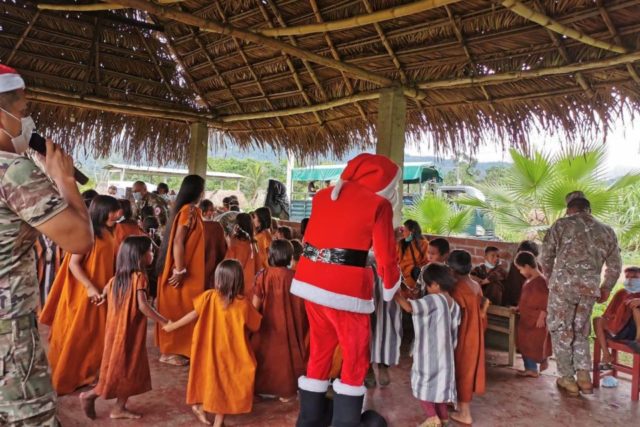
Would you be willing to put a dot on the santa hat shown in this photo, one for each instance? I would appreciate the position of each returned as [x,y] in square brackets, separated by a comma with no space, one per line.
[10,79]
[372,171]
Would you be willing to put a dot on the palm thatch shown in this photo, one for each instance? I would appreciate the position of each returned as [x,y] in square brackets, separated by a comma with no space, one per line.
[305,75]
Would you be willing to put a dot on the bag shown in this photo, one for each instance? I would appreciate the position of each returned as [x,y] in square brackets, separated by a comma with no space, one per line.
[416,270]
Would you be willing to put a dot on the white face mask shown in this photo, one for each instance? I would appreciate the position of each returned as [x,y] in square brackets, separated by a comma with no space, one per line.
[21,142]
[137,196]
[632,285]
[489,265]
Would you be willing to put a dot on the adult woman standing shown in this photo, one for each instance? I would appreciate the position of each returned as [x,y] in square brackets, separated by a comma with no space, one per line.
[74,309]
[181,262]
[412,253]
[262,225]
[242,247]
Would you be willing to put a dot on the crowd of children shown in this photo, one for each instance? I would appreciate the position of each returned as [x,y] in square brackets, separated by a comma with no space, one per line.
[241,331]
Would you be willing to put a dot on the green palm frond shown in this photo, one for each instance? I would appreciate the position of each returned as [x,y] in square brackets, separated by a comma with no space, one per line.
[459,221]
[628,180]
[529,174]
[436,215]
[577,164]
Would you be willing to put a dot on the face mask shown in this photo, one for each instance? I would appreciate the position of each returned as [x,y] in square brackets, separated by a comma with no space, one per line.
[137,196]
[166,197]
[409,239]
[21,142]
[489,265]
[120,219]
[632,285]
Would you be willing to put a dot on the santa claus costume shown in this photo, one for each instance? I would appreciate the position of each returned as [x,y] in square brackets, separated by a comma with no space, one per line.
[332,276]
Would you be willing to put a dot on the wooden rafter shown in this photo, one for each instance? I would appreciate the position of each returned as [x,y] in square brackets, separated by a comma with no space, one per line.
[94,58]
[22,38]
[526,12]
[94,7]
[154,60]
[616,37]
[358,21]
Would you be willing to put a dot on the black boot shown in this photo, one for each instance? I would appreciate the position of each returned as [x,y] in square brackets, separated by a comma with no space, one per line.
[347,410]
[315,409]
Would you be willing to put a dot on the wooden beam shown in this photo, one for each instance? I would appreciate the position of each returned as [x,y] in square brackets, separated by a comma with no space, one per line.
[616,37]
[74,7]
[22,38]
[154,60]
[226,29]
[93,64]
[541,19]
[357,21]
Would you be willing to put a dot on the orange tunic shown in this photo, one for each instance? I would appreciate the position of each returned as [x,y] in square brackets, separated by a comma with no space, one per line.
[533,342]
[250,260]
[469,353]
[263,242]
[223,366]
[618,314]
[124,230]
[280,346]
[124,371]
[174,303]
[76,336]
[215,248]
[406,260]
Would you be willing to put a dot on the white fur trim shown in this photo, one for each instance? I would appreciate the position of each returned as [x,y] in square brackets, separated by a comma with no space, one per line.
[310,384]
[388,294]
[331,299]
[336,189]
[348,390]
[9,82]
[389,190]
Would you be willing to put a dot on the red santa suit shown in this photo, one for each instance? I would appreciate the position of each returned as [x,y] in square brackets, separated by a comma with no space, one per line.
[346,221]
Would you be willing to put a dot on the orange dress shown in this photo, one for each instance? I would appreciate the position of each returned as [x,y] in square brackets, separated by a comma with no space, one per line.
[406,260]
[124,371]
[215,248]
[533,342]
[263,242]
[281,345]
[174,303]
[249,258]
[123,230]
[76,336]
[469,353]
[223,366]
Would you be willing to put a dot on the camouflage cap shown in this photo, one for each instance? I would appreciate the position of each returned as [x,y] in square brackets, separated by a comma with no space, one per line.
[574,195]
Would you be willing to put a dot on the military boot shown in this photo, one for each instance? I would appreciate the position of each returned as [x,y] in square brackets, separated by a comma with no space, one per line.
[569,386]
[584,382]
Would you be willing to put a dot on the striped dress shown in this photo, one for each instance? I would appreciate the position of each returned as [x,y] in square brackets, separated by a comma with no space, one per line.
[386,326]
[433,377]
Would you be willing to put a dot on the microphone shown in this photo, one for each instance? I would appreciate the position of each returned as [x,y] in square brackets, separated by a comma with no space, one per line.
[38,143]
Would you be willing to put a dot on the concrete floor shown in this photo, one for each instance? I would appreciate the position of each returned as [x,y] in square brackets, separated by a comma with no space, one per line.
[509,401]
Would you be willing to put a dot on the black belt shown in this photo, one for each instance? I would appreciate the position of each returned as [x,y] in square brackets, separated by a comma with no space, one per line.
[350,257]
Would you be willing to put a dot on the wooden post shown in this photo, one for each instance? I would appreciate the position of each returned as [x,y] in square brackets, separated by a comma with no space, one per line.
[392,109]
[198,149]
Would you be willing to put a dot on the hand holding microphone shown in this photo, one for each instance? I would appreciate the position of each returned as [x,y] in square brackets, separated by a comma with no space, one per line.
[58,164]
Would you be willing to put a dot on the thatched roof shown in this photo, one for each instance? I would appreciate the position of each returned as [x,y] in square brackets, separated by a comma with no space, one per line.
[270,73]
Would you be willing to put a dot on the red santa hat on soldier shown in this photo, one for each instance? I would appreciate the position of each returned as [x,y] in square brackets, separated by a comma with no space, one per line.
[10,79]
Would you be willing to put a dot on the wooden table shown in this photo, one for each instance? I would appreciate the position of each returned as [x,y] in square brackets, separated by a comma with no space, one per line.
[502,322]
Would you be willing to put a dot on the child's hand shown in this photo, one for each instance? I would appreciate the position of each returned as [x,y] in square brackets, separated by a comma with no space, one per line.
[542,320]
[95,296]
[633,303]
[169,326]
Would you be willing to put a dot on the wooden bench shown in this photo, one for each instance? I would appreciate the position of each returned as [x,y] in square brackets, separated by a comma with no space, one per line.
[501,330]
[633,370]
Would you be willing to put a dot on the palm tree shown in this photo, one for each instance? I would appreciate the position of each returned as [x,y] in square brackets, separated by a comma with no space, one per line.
[436,215]
[532,195]
[256,177]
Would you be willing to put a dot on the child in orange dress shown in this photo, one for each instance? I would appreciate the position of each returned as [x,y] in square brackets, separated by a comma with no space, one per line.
[124,371]
[223,366]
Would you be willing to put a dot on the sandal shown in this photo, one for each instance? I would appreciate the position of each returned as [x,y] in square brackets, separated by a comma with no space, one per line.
[605,366]
[431,422]
[174,360]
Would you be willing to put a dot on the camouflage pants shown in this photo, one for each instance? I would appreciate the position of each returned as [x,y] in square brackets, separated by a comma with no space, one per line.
[26,395]
[569,323]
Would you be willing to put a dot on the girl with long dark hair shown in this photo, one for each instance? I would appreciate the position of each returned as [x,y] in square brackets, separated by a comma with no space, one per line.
[262,224]
[223,366]
[124,371]
[182,276]
[242,247]
[74,307]
[412,253]
[127,225]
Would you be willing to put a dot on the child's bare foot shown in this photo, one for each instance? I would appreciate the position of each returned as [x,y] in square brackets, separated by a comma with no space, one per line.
[88,404]
[457,418]
[200,414]
[124,414]
[174,360]
[528,374]
[544,365]
[286,399]
[431,422]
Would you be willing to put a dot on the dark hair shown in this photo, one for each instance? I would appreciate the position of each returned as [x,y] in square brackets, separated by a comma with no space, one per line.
[7,99]
[490,249]
[286,232]
[264,219]
[190,191]
[234,208]
[229,280]
[632,269]
[129,261]
[529,246]
[439,273]
[244,230]
[526,258]
[416,232]
[303,226]
[441,244]
[139,183]
[297,249]
[149,223]
[127,212]
[280,253]
[225,201]
[99,210]
[580,204]
[162,186]
[205,205]
[460,262]
[147,211]
[89,195]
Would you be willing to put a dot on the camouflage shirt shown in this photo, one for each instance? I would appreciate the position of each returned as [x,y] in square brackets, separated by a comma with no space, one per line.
[574,251]
[27,199]
[153,200]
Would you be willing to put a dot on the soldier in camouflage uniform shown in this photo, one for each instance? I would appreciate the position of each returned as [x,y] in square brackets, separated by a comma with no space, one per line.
[141,198]
[575,249]
[29,203]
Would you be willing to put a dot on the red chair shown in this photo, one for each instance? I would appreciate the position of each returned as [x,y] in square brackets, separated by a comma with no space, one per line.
[634,370]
